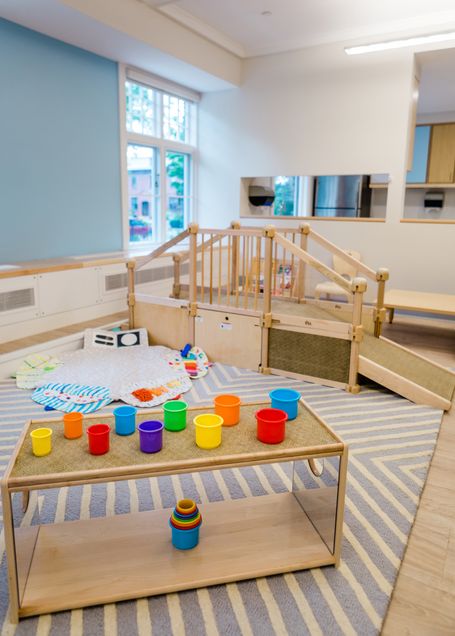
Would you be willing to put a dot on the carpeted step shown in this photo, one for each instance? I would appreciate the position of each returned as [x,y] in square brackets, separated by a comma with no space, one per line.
[395,360]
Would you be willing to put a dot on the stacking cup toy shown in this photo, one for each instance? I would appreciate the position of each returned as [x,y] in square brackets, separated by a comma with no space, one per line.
[72,423]
[186,507]
[271,425]
[286,400]
[175,415]
[208,430]
[184,539]
[41,441]
[150,436]
[184,523]
[228,407]
[125,420]
[98,438]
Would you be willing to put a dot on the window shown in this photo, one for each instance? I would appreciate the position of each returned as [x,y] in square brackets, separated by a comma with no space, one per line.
[160,135]
[286,196]
[178,189]
[144,206]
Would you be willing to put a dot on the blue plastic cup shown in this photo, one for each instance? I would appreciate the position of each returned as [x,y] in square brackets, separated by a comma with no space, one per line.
[287,400]
[184,539]
[125,420]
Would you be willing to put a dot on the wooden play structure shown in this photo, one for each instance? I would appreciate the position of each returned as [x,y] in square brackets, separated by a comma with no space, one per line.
[240,294]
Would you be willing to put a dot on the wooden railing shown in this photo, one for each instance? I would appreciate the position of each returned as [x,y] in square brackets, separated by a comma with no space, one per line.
[242,269]
[299,236]
[245,267]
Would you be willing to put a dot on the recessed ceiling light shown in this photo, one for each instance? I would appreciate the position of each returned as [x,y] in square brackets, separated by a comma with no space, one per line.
[266,13]
[399,44]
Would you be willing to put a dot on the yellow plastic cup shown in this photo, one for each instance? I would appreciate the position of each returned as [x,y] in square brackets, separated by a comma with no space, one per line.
[208,430]
[41,441]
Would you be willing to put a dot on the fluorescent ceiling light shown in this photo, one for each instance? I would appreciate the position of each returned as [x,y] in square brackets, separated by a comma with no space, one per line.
[399,44]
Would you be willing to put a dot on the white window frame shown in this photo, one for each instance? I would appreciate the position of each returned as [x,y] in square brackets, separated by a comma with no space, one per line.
[162,145]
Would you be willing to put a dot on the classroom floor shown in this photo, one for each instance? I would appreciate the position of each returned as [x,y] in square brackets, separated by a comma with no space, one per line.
[423,601]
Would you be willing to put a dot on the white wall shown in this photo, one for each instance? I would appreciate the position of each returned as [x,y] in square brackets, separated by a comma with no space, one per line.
[318,111]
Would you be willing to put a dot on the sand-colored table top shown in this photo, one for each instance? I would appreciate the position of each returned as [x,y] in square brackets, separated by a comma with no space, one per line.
[70,460]
[420,301]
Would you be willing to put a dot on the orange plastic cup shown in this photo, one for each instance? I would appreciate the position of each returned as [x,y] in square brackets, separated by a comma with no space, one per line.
[72,425]
[228,407]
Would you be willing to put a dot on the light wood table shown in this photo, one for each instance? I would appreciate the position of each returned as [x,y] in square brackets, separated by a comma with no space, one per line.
[72,564]
[425,302]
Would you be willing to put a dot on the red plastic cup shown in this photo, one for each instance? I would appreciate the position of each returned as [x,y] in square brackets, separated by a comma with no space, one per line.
[98,438]
[271,425]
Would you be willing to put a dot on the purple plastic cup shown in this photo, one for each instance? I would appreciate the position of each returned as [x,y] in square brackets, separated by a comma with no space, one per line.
[151,436]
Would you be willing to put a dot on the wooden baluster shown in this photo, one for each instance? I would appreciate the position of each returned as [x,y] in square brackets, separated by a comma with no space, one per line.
[176,287]
[228,284]
[382,275]
[235,225]
[283,265]
[304,230]
[243,263]
[257,272]
[220,250]
[211,270]
[202,269]
[193,229]
[131,265]
[237,269]
[269,233]
[292,281]
[247,255]
[359,286]
[274,269]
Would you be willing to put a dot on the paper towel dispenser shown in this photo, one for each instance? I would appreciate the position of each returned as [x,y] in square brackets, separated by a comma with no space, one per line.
[433,201]
[261,195]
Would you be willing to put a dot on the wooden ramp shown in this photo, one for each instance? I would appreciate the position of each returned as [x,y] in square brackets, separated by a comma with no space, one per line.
[406,373]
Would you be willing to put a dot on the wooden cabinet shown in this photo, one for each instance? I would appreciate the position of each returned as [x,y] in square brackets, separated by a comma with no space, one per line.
[441,163]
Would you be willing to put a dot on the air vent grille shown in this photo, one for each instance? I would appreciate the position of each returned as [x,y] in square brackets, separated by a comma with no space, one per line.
[17,299]
[115,282]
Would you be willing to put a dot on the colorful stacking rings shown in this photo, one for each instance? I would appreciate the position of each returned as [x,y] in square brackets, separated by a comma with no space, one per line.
[185,521]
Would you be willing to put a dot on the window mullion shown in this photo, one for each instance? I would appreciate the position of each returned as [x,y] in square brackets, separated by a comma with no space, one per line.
[163,191]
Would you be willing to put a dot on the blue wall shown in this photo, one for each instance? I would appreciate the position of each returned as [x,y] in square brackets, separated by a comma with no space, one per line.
[59,149]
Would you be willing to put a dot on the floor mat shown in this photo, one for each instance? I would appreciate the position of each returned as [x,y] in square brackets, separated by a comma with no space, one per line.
[391,443]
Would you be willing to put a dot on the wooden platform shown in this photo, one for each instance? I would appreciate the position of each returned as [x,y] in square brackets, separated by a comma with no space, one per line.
[420,302]
[104,560]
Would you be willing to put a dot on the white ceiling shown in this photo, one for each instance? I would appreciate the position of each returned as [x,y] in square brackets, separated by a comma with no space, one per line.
[240,26]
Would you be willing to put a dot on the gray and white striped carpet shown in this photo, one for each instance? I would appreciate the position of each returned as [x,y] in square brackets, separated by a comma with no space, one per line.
[391,443]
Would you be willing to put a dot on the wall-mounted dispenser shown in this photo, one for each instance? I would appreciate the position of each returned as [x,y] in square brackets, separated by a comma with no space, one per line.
[433,202]
[259,195]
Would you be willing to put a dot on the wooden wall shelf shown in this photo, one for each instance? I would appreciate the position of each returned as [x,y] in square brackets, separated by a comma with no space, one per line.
[414,186]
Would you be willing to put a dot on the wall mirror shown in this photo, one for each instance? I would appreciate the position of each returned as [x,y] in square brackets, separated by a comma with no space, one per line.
[348,196]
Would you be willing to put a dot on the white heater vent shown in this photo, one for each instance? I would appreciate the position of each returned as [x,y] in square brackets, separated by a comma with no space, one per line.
[17,299]
[114,282]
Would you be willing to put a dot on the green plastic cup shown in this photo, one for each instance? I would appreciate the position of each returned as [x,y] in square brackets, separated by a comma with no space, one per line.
[175,415]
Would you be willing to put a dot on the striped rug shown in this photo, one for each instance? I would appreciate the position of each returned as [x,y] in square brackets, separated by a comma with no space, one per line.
[391,443]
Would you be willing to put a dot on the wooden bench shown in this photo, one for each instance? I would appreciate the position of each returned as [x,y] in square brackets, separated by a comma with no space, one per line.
[425,302]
